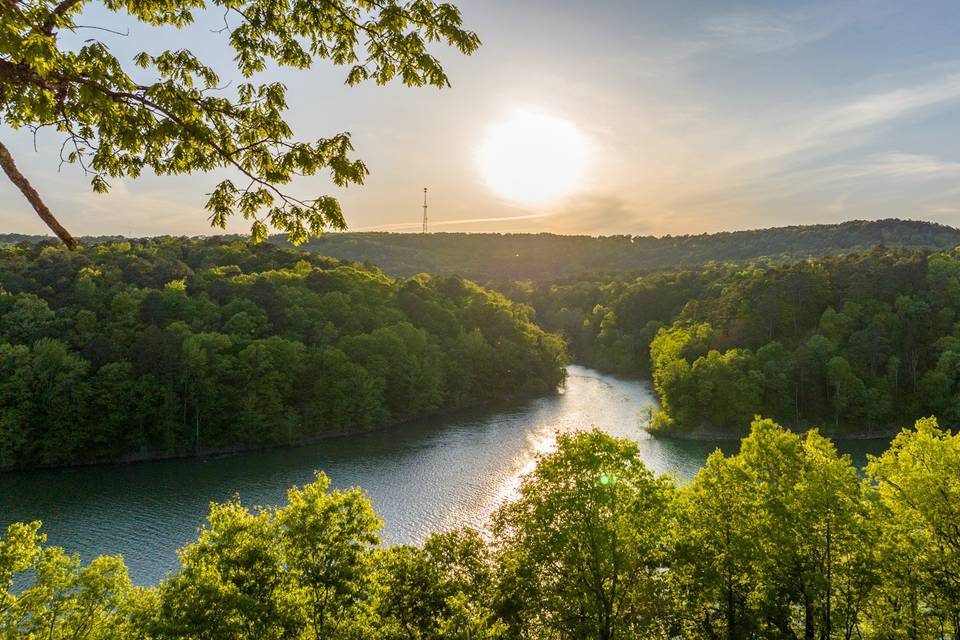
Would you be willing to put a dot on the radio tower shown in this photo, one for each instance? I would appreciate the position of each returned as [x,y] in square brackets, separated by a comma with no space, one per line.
[424,210]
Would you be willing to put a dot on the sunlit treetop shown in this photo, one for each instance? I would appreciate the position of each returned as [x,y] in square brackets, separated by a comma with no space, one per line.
[188,118]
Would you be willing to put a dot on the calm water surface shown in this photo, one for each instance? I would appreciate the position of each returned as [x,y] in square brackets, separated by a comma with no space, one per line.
[422,477]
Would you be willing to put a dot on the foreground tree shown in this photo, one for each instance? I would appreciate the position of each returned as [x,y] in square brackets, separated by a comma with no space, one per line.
[918,480]
[301,571]
[327,538]
[115,125]
[58,598]
[441,591]
[584,546]
[774,541]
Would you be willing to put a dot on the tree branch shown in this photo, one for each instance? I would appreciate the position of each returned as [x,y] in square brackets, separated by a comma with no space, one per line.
[59,11]
[11,7]
[17,178]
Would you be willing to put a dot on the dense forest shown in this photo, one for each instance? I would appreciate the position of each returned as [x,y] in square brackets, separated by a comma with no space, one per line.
[165,347]
[859,342]
[498,258]
[782,540]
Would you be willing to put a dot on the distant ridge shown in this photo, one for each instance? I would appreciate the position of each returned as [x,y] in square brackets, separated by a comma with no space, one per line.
[545,256]
[496,257]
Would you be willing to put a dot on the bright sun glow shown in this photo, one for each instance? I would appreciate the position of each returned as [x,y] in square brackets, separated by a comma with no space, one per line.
[533,157]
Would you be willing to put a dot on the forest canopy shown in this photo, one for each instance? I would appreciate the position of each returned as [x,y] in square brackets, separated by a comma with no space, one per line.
[165,347]
[855,343]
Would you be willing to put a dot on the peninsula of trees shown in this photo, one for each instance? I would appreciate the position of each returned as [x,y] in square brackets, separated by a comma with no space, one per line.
[167,347]
[782,540]
[855,343]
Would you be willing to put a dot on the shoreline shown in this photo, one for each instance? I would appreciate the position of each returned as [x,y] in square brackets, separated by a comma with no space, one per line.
[701,435]
[232,450]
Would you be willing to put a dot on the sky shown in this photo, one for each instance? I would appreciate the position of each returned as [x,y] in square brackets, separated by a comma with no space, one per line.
[690,117]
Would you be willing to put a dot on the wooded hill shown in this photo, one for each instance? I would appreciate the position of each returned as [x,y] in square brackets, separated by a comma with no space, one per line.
[165,347]
[494,257]
[861,342]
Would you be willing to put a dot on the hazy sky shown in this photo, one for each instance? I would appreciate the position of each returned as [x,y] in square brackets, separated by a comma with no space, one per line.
[697,117]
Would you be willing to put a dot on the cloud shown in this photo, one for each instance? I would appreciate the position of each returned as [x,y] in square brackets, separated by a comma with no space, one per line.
[839,204]
[881,108]
[757,33]
[883,167]
[898,165]
[804,137]
[401,226]
[833,127]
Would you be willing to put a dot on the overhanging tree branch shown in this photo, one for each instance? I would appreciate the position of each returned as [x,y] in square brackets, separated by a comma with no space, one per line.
[58,12]
[17,178]
[117,127]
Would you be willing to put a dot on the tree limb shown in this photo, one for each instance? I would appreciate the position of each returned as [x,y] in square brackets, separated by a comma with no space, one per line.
[20,180]
[58,12]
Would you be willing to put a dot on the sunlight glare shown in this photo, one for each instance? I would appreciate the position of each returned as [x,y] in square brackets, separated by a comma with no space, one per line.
[533,157]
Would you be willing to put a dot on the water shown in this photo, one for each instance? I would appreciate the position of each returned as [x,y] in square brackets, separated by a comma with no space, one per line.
[425,476]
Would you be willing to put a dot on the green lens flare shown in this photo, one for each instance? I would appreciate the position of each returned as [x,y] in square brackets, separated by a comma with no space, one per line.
[604,479]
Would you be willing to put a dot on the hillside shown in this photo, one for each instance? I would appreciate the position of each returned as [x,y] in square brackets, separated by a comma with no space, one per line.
[859,343]
[498,257]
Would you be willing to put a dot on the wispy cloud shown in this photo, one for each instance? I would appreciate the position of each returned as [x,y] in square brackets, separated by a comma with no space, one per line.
[884,107]
[898,165]
[448,223]
[594,213]
[758,33]
[806,135]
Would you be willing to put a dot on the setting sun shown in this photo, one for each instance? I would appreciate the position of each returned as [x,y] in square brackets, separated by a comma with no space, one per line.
[533,157]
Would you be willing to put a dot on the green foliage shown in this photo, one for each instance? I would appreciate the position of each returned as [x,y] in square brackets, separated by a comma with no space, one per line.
[174,347]
[442,590]
[585,543]
[919,507]
[326,537]
[186,119]
[781,540]
[858,343]
[775,540]
[62,599]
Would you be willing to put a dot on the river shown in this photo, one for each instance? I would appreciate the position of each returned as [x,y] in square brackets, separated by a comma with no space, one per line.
[422,476]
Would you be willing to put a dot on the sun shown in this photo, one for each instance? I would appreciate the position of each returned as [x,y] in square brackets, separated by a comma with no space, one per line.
[532,157]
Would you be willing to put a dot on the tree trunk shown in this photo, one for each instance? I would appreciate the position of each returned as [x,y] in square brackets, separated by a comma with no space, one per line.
[197,435]
[20,180]
[828,623]
[731,613]
[808,624]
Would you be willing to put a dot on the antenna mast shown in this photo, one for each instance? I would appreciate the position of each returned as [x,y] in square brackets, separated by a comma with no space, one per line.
[424,210]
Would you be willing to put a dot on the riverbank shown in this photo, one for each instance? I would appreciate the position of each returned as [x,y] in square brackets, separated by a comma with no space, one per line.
[446,413]
[715,435]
